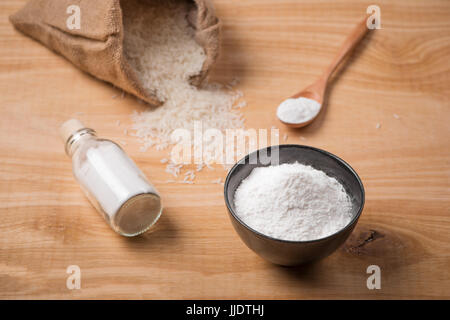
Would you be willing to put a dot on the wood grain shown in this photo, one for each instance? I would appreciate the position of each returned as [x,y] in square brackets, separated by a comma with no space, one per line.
[275,48]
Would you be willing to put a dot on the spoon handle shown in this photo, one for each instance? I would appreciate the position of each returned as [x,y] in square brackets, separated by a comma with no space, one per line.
[349,44]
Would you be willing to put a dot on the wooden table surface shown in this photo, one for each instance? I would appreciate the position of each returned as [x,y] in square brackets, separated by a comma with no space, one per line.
[275,48]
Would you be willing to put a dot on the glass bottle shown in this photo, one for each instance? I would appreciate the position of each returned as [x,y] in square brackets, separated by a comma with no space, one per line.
[111,180]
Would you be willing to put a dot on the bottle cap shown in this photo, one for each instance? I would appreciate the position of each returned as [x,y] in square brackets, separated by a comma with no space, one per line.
[69,127]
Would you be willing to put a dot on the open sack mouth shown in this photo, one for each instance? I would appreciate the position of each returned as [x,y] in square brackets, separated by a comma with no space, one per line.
[122,42]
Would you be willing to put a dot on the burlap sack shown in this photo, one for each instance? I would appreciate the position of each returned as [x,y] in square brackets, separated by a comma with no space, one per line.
[97,47]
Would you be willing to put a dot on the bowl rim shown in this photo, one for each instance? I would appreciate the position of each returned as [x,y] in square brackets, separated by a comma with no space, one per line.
[325,153]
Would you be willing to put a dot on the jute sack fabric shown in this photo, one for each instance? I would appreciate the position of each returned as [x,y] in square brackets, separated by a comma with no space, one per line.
[97,46]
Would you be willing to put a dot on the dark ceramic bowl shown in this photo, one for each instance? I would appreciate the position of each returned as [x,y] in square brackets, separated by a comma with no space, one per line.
[286,252]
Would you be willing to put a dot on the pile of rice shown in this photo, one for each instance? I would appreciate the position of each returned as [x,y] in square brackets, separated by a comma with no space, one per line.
[159,43]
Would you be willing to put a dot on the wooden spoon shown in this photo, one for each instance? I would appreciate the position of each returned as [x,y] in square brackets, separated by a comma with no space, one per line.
[316,91]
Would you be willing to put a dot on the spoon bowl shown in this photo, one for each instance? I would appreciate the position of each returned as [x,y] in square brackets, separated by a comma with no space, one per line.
[313,92]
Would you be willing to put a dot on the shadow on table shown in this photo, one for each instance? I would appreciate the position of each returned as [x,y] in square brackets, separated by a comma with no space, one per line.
[307,274]
[232,60]
[162,234]
[339,72]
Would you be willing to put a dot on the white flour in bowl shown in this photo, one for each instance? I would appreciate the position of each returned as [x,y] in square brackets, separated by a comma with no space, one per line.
[292,202]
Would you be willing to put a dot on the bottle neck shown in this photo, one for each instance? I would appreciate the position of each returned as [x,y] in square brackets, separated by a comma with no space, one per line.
[76,139]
